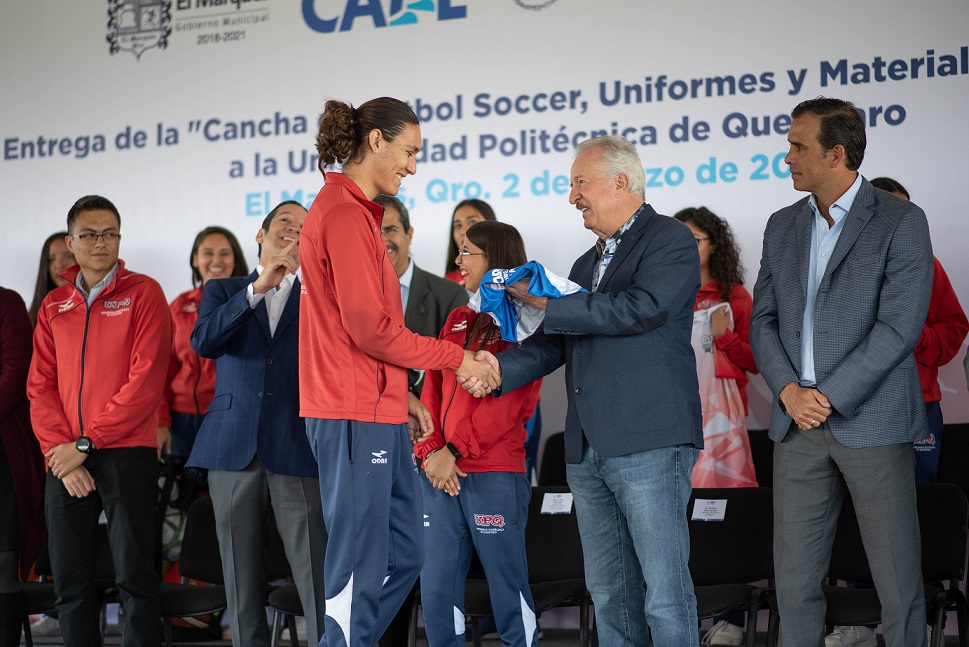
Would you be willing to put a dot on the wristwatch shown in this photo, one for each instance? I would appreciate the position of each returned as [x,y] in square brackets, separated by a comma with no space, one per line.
[454,452]
[84,445]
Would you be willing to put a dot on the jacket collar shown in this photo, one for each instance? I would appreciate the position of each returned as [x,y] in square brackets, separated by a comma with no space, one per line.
[341,180]
[70,274]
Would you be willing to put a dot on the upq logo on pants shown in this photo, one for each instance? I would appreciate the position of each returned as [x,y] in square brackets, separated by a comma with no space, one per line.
[489,524]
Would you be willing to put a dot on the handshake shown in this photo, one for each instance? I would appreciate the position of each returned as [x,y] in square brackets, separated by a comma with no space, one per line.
[479,373]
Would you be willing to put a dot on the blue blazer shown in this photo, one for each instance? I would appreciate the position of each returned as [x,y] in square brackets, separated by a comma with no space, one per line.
[868,314]
[256,406]
[630,370]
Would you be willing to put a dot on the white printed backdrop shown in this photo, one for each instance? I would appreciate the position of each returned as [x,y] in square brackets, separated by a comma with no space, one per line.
[218,125]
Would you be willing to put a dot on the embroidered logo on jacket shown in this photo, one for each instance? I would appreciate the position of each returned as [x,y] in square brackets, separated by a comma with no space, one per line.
[115,307]
[115,304]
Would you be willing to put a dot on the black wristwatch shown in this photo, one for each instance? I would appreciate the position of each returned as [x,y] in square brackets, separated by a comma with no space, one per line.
[84,445]
[454,452]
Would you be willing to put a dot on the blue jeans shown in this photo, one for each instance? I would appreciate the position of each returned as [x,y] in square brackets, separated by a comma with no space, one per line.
[632,514]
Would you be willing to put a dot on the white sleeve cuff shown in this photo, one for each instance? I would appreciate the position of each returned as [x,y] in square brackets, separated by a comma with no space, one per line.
[253,298]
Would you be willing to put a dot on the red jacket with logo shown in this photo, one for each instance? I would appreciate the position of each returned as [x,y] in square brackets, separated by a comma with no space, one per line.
[489,432]
[190,385]
[354,350]
[100,369]
[734,357]
[945,328]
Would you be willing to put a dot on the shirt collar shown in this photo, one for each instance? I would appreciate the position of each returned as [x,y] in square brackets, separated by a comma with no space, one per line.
[840,208]
[100,285]
[408,274]
[614,239]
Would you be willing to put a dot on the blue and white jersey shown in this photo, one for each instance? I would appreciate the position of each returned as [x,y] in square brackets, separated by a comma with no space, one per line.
[516,319]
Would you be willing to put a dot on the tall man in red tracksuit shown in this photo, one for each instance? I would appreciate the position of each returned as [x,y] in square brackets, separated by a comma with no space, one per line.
[100,356]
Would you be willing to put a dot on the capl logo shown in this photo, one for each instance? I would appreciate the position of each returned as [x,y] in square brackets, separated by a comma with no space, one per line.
[138,25]
[328,16]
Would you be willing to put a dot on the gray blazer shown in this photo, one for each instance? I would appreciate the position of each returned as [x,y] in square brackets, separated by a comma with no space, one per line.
[630,367]
[869,312]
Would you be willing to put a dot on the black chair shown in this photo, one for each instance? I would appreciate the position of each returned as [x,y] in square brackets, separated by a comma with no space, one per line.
[552,469]
[200,560]
[284,599]
[555,567]
[954,455]
[727,557]
[762,452]
[39,597]
[285,603]
[943,524]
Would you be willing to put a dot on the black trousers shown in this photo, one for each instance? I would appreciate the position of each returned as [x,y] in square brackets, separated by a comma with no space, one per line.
[126,482]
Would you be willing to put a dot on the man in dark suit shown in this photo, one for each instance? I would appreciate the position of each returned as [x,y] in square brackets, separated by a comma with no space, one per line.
[427,299]
[252,441]
[839,304]
[633,429]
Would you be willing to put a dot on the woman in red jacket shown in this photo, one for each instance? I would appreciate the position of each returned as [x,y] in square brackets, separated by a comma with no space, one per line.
[480,441]
[191,379]
[721,340]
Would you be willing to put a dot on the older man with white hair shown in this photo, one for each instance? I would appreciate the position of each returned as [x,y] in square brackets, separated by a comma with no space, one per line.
[633,429]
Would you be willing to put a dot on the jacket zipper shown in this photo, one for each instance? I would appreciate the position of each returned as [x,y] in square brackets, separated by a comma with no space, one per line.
[80,388]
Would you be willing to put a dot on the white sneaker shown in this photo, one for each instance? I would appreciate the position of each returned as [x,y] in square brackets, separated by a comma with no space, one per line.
[851,637]
[45,626]
[723,633]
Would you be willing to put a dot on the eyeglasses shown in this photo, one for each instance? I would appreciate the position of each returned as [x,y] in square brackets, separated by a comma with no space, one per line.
[700,240]
[109,238]
[464,252]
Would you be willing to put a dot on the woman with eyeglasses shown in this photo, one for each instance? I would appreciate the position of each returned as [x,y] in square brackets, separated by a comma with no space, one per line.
[721,341]
[190,384]
[54,259]
[466,213]
[476,491]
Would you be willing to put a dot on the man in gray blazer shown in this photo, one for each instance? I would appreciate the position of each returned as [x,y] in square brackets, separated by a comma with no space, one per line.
[841,298]
[633,429]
